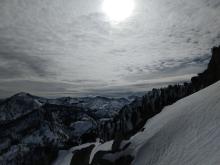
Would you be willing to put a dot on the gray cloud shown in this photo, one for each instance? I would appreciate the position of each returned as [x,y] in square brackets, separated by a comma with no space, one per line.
[213,3]
[18,64]
[55,47]
[169,65]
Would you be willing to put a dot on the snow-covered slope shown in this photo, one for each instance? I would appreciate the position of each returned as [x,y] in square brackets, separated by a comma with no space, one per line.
[187,132]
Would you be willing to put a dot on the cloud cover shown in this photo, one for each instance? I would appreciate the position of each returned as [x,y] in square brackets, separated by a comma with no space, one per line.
[55,48]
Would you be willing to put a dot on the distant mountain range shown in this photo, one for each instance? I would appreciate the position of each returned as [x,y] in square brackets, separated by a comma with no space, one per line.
[33,129]
[31,124]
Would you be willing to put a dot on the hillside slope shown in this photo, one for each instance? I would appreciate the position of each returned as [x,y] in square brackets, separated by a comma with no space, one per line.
[187,132]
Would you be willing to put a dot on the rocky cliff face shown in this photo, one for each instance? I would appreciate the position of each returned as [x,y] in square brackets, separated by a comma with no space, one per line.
[211,74]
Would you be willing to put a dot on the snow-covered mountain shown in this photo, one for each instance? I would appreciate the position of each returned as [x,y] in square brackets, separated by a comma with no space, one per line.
[17,106]
[32,128]
[186,132]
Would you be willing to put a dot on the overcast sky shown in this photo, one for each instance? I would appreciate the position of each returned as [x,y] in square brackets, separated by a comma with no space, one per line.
[71,47]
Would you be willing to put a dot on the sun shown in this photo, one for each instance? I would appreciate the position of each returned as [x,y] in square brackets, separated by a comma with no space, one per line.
[118,10]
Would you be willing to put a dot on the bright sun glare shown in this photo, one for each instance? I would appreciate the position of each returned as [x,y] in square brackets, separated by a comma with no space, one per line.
[118,10]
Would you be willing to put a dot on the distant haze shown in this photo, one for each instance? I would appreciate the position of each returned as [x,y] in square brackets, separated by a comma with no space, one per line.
[71,47]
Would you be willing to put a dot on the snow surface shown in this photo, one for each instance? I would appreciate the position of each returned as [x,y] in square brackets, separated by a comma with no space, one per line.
[100,147]
[187,132]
